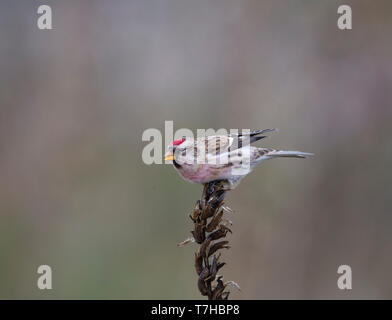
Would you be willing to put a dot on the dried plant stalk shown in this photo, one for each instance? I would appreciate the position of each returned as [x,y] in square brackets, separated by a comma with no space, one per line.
[209,230]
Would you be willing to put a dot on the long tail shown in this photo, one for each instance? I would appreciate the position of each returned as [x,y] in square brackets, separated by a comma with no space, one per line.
[265,154]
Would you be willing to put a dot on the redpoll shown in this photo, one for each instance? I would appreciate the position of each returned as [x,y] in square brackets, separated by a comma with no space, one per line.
[223,157]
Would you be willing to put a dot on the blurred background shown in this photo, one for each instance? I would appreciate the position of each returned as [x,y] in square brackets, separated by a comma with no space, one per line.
[74,102]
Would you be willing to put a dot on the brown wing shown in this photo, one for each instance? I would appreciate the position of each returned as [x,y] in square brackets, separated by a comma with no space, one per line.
[214,145]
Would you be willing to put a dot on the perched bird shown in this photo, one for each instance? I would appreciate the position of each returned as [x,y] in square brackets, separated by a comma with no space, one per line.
[223,157]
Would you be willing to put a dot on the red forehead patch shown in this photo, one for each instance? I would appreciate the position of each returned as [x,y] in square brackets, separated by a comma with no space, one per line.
[178,142]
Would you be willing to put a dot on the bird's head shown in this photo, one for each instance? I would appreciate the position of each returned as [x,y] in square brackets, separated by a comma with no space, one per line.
[171,149]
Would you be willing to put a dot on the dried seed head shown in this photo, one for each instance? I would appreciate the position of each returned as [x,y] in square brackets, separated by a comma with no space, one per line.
[210,226]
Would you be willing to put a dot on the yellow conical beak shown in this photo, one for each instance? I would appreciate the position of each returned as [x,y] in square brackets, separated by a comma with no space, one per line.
[169,156]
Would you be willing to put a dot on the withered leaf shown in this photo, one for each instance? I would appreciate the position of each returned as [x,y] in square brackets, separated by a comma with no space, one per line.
[225,295]
[217,292]
[206,213]
[196,211]
[222,226]
[198,233]
[216,219]
[218,245]
[202,287]
[220,265]
[198,263]
[213,269]
[217,234]
[204,274]
[203,248]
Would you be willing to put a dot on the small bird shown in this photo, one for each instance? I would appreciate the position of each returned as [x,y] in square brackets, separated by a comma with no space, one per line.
[227,158]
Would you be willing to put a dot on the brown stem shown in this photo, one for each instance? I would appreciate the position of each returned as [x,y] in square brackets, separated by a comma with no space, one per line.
[209,230]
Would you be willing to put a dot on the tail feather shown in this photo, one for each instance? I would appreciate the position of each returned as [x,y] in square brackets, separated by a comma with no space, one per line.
[265,154]
[288,154]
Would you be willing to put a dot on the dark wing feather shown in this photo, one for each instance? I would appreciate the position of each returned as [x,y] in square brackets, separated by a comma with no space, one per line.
[239,139]
[215,145]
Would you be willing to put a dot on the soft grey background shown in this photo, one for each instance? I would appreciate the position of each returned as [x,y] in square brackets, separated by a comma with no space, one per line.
[75,194]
